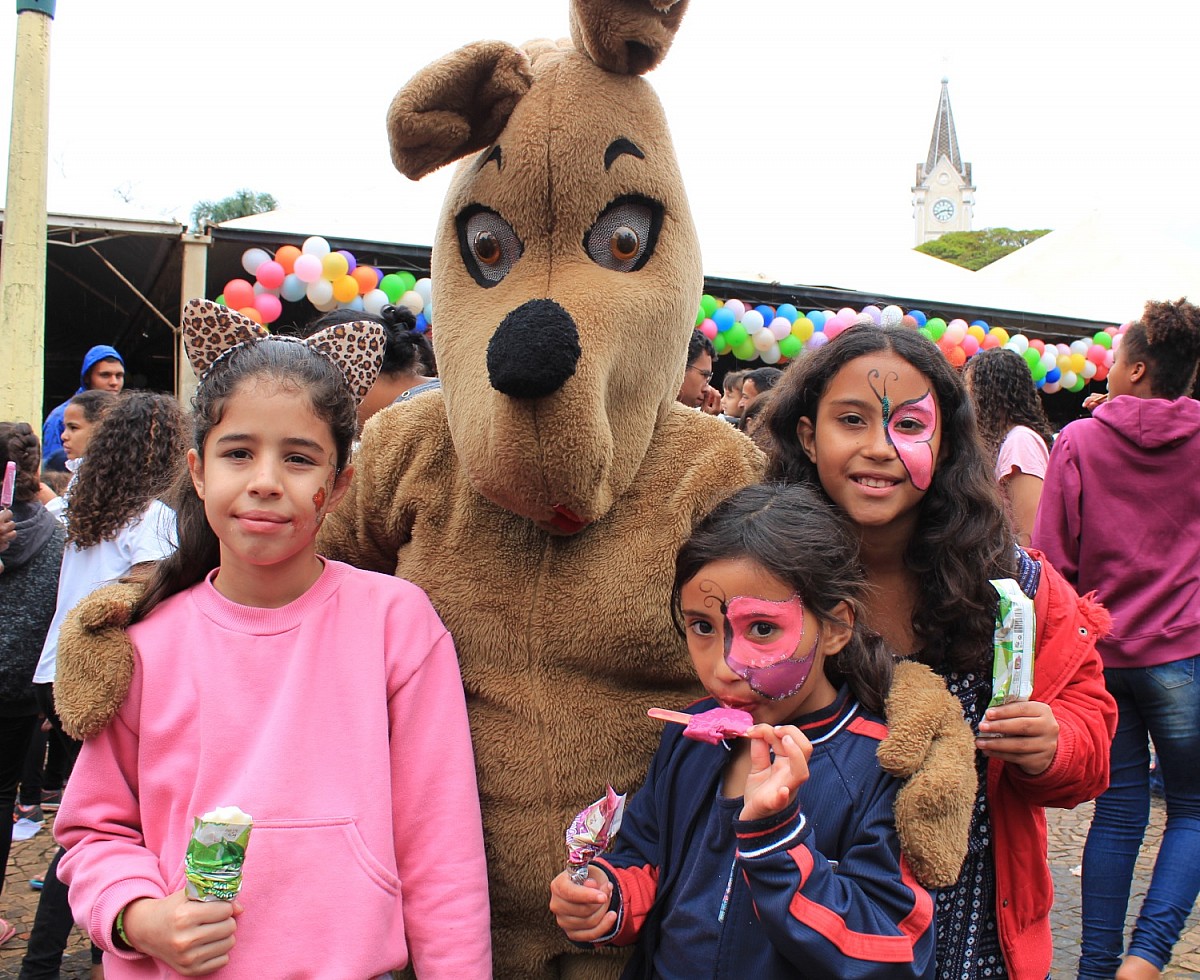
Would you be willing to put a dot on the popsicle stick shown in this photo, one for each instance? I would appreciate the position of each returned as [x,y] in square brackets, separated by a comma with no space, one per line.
[662,714]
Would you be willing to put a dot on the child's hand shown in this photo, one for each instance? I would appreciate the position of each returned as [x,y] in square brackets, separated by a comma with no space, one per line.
[1028,734]
[581,911]
[192,938]
[772,785]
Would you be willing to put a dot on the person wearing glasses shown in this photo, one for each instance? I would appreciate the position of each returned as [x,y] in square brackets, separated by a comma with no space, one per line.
[696,390]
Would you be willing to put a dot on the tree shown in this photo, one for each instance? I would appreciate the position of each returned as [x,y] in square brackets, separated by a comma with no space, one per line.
[237,205]
[975,249]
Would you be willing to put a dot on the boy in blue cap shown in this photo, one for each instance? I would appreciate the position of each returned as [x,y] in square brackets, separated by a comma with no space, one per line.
[102,368]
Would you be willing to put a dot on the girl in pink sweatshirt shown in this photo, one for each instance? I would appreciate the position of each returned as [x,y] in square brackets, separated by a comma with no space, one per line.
[324,701]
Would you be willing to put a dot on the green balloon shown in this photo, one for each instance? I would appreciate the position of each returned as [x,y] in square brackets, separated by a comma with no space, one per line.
[737,335]
[408,282]
[699,316]
[720,344]
[745,351]
[790,346]
[221,300]
[1032,357]
[1104,339]
[392,284]
[1038,371]
[708,304]
[1080,383]
[926,333]
[936,327]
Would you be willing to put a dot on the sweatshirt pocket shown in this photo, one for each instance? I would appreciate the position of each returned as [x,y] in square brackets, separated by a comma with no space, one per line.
[317,849]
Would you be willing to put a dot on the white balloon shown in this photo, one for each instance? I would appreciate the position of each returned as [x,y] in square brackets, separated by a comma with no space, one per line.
[1089,370]
[738,308]
[771,355]
[752,320]
[374,301]
[1079,347]
[763,341]
[890,316]
[320,293]
[412,299]
[315,246]
[780,327]
[252,258]
[424,287]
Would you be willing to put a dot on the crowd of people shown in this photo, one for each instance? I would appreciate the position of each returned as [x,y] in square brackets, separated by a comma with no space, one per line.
[898,492]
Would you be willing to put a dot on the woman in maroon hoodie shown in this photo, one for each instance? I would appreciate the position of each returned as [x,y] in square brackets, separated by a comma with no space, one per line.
[1118,516]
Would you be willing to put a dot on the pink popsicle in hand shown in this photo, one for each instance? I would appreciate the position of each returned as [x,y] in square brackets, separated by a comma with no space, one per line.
[10,485]
[712,726]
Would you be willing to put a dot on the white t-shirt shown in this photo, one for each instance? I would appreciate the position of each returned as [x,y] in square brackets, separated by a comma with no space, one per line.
[146,538]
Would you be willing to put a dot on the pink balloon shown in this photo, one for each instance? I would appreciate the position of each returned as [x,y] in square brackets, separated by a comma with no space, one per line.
[308,268]
[970,345]
[270,275]
[1096,353]
[708,328]
[268,305]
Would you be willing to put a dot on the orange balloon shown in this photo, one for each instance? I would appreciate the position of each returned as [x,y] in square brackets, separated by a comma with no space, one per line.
[344,289]
[956,356]
[366,279]
[252,313]
[286,256]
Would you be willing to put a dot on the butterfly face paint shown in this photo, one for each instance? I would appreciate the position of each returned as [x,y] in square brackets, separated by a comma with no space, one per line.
[910,428]
[762,644]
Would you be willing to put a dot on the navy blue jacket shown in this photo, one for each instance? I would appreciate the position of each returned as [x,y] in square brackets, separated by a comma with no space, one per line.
[819,890]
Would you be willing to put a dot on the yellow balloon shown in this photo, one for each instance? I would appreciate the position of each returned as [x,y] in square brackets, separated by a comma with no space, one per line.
[1077,362]
[802,329]
[1000,334]
[334,266]
[976,331]
[1064,362]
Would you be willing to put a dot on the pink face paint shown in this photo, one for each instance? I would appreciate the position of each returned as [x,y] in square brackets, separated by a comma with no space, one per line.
[771,665]
[912,443]
[319,499]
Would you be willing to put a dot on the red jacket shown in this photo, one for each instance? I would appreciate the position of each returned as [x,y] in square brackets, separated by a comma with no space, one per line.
[1068,676]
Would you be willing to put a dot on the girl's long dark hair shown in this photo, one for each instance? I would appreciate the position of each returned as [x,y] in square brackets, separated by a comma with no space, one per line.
[798,537]
[962,538]
[1004,395]
[284,363]
[133,457]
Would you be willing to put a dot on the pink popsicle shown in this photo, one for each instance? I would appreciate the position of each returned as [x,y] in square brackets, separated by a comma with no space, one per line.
[10,484]
[710,726]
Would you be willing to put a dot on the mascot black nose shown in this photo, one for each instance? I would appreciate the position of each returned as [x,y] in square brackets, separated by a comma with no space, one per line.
[533,351]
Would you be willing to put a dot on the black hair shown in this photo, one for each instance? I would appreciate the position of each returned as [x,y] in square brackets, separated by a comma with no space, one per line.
[764,378]
[733,378]
[699,344]
[962,538]
[19,444]
[94,402]
[291,366]
[1004,395]
[405,351]
[1167,340]
[803,541]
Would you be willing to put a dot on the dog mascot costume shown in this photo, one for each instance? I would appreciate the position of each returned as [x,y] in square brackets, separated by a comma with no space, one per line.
[541,495]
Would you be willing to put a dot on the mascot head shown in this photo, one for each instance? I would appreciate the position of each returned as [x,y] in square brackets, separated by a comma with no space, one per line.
[566,268]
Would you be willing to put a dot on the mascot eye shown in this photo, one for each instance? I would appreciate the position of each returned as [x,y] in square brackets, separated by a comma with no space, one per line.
[624,236]
[488,244]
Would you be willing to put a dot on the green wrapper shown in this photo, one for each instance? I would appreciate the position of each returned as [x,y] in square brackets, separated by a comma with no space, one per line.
[1013,644]
[214,858]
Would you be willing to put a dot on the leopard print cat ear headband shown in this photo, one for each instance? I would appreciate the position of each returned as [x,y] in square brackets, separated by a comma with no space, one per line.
[212,331]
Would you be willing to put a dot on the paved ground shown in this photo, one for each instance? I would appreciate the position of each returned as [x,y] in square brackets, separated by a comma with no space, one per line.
[1067,832]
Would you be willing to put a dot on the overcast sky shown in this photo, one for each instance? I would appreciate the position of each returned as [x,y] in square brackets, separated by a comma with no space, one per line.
[791,120]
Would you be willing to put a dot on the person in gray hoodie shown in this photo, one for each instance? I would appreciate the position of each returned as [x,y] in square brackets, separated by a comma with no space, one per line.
[1118,515]
[28,590]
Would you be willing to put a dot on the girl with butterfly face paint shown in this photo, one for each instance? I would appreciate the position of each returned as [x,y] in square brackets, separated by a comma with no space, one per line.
[880,423]
[767,593]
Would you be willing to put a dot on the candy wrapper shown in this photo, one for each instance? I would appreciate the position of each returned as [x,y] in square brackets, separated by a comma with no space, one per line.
[1013,644]
[10,485]
[214,857]
[592,832]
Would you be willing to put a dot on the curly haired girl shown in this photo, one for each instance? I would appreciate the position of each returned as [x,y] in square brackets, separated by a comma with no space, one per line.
[880,423]
[1016,433]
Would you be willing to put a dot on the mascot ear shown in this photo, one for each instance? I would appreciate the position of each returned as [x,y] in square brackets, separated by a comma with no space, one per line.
[456,106]
[627,37]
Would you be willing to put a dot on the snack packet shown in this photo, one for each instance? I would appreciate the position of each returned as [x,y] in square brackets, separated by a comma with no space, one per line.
[214,856]
[1013,645]
[592,832]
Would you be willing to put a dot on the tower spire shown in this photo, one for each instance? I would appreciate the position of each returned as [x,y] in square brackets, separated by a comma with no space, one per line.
[944,141]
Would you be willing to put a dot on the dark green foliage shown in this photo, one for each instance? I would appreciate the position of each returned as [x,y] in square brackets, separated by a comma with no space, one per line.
[237,205]
[975,249]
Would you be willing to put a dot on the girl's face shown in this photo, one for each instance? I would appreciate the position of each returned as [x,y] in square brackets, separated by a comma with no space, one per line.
[267,478]
[876,440]
[753,643]
[731,401]
[77,432]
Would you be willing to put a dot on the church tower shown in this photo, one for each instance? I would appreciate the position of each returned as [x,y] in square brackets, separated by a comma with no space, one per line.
[943,196]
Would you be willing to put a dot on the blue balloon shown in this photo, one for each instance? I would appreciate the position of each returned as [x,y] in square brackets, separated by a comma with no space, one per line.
[788,312]
[724,318]
[920,317]
[816,318]
[1053,375]
[422,324]
[981,323]
[768,314]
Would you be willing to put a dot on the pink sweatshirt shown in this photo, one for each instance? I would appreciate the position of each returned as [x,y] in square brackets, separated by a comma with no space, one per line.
[338,722]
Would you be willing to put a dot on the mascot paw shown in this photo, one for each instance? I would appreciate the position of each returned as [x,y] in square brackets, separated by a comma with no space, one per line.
[930,745]
[95,660]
